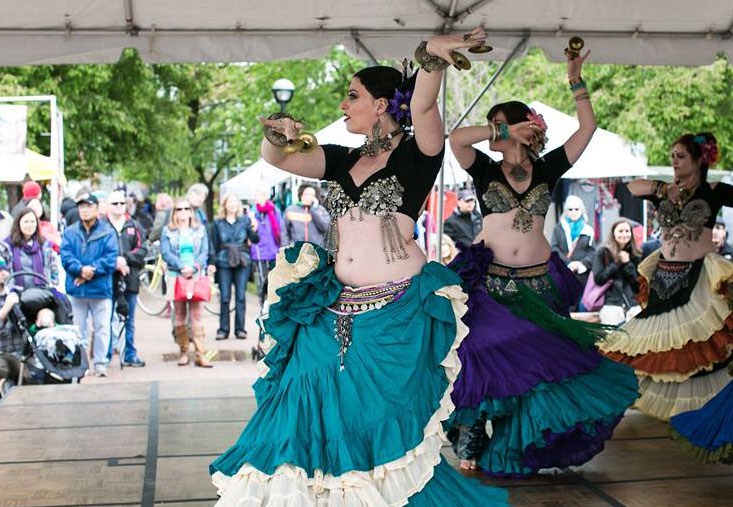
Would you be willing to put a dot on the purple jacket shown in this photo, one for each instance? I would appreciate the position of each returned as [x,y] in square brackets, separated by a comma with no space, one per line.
[266,249]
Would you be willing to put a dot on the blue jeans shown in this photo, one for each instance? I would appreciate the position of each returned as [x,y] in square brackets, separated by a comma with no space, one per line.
[239,277]
[100,310]
[130,350]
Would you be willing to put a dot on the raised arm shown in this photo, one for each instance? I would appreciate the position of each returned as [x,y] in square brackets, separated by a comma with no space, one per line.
[640,188]
[309,165]
[463,139]
[426,120]
[577,142]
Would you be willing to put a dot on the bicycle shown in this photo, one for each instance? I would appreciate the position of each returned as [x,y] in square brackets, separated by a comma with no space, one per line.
[152,297]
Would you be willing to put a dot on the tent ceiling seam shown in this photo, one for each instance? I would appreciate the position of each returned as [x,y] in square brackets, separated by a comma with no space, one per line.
[517,32]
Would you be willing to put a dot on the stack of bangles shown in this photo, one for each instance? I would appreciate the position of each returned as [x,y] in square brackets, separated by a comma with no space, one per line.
[499,131]
[577,86]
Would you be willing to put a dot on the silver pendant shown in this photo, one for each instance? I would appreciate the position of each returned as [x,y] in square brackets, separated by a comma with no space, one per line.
[518,173]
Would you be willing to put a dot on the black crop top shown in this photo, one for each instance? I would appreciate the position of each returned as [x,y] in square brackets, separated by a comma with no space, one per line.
[498,196]
[700,210]
[402,185]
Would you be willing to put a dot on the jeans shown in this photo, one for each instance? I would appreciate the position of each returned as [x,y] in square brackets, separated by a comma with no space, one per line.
[117,323]
[100,311]
[239,277]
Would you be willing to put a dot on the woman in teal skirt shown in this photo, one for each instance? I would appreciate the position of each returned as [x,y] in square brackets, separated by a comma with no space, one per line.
[363,334]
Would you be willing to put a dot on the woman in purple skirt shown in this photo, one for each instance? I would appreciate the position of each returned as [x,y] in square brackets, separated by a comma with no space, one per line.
[551,398]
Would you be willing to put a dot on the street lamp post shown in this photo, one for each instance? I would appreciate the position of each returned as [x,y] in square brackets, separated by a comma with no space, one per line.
[283,90]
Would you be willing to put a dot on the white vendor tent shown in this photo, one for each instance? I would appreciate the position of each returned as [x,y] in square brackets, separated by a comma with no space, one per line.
[620,31]
[607,156]
[263,176]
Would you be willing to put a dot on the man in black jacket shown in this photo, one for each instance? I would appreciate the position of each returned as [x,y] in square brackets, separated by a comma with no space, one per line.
[464,224]
[131,259]
[720,239]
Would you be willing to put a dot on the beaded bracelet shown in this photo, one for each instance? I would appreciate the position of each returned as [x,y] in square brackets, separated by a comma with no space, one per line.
[577,86]
[503,131]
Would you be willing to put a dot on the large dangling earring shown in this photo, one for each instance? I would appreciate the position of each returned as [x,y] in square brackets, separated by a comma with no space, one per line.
[370,148]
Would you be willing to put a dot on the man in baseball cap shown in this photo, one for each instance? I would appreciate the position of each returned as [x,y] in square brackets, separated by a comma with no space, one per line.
[464,224]
[89,256]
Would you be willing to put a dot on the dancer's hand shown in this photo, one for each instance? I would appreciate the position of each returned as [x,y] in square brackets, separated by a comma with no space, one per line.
[575,65]
[442,45]
[526,132]
[288,127]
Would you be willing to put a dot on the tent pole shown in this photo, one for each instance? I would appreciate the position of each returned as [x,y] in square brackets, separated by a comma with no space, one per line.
[359,44]
[441,174]
[493,78]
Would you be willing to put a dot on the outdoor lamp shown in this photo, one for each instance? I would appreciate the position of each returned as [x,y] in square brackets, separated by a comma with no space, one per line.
[283,90]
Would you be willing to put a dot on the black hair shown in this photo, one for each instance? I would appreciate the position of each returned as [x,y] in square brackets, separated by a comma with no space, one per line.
[515,111]
[695,150]
[303,186]
[382,81]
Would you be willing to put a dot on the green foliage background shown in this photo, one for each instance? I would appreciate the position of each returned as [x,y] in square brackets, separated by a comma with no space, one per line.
[170,125]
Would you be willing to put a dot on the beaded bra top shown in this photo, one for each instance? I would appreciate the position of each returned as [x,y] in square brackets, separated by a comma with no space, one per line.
[683,222]
[400,187]
[498,196]
[501,198]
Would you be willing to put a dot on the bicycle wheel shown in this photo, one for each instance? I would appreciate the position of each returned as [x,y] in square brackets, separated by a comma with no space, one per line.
[151,301]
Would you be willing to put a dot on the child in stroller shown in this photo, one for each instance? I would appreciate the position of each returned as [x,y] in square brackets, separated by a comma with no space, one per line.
[47,351]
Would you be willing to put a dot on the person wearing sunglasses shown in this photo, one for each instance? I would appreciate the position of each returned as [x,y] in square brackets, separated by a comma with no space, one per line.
[185,248]
[572,239]
[527,366]
[130,260]
[681,342]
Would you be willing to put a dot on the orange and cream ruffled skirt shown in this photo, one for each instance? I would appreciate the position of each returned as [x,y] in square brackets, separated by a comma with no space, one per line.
[681,342]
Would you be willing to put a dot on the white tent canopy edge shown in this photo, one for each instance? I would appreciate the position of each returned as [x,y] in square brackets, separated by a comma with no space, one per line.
[623,31]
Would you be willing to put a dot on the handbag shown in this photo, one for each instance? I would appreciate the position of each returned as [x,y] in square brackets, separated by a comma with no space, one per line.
[196,288]
[594,295]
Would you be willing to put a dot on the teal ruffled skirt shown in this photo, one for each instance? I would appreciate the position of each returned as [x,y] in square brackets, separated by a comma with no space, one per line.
[369,434]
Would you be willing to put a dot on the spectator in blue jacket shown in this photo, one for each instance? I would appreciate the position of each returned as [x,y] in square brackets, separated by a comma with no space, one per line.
[89,257]
[229,257]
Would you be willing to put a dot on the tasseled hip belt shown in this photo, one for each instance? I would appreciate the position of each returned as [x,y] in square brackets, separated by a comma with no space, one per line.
[503,280]
[355,300]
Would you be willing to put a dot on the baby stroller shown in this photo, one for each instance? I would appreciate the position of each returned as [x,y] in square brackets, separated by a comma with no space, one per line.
[54,355]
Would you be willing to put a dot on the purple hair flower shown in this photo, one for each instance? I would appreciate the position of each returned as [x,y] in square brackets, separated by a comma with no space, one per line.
[399,106]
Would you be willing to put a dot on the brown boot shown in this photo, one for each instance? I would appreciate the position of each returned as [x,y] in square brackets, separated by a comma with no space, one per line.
[181,334]
[198,345]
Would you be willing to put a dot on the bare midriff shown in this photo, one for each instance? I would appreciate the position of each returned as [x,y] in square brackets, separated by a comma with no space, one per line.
[361,260]
[689,250]
[510,246]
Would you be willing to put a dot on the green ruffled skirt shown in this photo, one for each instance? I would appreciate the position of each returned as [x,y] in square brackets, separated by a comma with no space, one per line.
[366,435]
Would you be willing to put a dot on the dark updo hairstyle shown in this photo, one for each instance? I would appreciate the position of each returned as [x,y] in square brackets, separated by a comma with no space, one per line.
[515,112]
[381,82]
[695,149]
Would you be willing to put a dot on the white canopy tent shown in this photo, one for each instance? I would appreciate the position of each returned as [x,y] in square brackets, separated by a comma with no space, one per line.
[622,31]
[263,176]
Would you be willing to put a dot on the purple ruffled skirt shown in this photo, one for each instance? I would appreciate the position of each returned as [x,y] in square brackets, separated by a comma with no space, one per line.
[531,370]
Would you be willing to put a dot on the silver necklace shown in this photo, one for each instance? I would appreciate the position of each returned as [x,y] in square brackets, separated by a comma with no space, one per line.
[373,146]
[518,172]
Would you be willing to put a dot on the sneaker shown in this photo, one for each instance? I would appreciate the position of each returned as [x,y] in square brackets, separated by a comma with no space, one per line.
[135,362]
[241,335]
[221,336]
[100,370]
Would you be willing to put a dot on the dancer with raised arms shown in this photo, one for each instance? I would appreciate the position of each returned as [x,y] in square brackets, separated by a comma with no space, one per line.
[364,334]
[529,369]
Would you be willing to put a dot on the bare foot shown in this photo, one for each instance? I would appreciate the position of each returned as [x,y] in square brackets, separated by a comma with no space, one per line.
[468,464]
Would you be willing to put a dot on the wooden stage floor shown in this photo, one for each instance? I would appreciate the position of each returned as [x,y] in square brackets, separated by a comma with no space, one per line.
[149,443]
